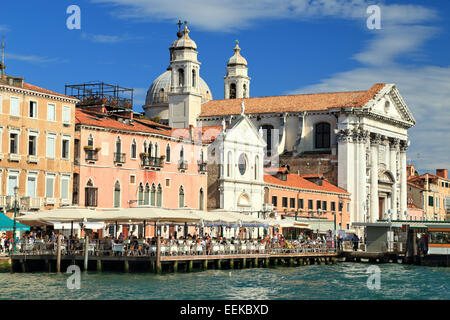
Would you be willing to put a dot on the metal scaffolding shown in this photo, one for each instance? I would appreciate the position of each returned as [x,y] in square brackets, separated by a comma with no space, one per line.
[93,94]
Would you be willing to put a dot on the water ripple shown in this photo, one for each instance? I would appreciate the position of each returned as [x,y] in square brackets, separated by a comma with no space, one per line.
[344,281]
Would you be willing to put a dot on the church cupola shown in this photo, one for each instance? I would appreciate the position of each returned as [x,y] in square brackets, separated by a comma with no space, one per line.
[185,96]
[237,82]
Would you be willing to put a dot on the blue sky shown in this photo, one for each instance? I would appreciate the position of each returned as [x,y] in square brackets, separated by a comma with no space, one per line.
[292,46]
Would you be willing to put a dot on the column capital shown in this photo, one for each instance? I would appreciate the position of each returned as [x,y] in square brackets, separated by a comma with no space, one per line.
[375,139]
[394,143]
[404,144]
[360,135]
[344,135]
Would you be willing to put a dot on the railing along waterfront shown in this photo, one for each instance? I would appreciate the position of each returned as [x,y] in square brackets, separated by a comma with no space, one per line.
[108,247]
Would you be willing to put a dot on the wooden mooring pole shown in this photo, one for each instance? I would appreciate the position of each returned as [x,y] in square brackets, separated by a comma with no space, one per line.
[58,257]
[158,255]
[86,253]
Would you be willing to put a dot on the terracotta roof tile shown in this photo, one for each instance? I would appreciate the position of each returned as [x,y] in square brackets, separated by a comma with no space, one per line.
[295,181]
[101,120]
[31,87]
[291,103]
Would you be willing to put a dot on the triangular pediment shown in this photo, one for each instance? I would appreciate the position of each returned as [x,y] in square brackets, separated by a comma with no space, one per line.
[244,132]
[389,103]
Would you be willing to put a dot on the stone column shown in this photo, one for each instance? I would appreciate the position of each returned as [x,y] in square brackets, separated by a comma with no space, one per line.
[403,195]
[346,166]
[362,181]
[394,145]
[375,140]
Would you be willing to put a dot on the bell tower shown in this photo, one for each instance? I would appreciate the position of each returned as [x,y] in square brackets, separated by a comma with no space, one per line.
[236,82]
[185,98]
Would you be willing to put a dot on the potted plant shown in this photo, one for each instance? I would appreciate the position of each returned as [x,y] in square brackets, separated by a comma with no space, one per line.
[88,148]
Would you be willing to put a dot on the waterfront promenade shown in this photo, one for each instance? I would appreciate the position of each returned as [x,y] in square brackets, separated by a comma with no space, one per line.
[156,256]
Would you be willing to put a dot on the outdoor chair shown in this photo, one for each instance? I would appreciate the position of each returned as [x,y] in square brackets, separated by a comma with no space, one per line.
[118,249]
[215,249]
[173,250]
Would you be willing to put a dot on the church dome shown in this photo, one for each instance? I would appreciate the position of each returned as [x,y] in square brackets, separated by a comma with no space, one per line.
[237,59]
[157,94]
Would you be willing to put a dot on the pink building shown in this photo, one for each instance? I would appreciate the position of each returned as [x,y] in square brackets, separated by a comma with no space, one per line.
[121,161]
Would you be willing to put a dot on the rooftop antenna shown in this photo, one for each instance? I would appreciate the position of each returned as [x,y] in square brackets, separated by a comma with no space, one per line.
[2,63]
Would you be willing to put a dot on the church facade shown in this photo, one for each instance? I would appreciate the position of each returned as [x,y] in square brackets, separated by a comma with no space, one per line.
[356,139]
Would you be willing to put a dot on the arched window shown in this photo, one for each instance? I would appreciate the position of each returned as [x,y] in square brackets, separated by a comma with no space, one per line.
[181,197]
[140,194]
[244,89]
[150,149]
[194,76]
[201,155]
[146,194]
[133,149]
[322,136]
[256,167]
[168,153]
[90,194]
[180,77]
[182,154]
[145,147]
[267,134]
[232,91]
[90,141]
[156,150]
[152,195]
[229,163]
[201,200]
[117,195]
[118,145]
[159,196]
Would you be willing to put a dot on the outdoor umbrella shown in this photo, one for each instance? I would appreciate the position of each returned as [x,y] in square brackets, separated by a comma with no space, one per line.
[7,224]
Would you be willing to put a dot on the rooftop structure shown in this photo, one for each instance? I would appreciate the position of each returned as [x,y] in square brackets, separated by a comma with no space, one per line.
[113,98]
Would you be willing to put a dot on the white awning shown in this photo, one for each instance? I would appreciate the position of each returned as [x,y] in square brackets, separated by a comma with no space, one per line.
[68,226]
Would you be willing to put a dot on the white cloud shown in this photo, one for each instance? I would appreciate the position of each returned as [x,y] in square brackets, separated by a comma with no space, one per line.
[405,28]
[103,38]
[33,59]
[4,28]
[227,16]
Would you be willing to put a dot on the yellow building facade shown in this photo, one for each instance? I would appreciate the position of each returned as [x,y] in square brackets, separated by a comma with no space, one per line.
[36,145]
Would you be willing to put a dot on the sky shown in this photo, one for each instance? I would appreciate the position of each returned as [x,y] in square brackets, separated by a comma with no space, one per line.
[292,46]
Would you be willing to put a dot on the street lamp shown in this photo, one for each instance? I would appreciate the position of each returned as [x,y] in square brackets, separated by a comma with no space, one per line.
[16,191]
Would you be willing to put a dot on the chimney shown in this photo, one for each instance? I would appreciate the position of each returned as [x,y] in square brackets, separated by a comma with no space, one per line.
[443,173]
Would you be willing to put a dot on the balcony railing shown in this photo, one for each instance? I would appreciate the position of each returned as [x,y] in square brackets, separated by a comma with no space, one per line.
[202,166]
[119,157]
[14,157]
[91,155]
[32,159]
[31,202]
[147,161]
[182,165]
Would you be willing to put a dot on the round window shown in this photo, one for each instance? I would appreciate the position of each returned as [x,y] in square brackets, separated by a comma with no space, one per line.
[242,163]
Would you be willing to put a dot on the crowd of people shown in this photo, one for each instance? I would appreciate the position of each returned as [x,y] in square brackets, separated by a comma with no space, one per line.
[138,245]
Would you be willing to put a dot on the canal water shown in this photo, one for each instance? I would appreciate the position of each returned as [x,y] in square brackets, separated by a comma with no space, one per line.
[339,281]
